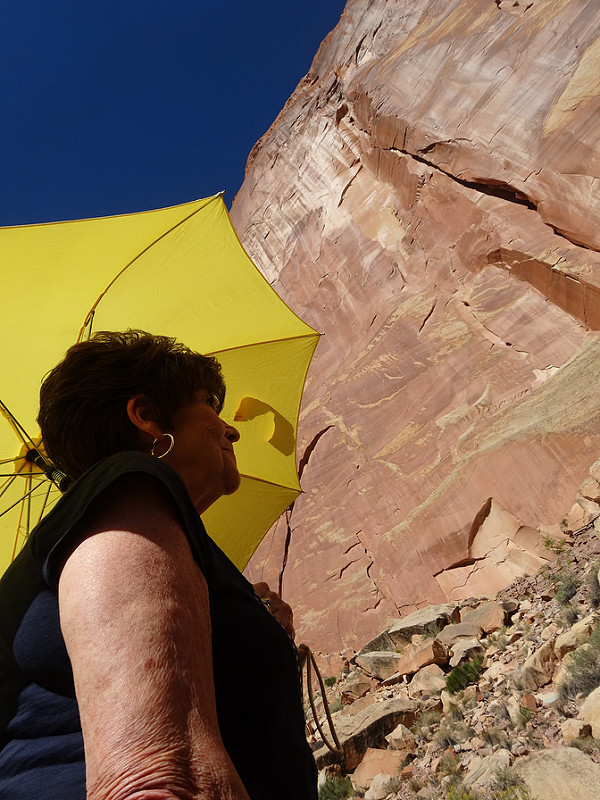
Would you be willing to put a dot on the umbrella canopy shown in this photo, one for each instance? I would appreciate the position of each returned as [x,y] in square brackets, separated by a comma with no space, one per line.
[178,271]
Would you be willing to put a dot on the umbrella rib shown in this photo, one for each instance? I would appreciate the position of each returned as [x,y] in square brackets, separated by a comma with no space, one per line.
[45,503]
[269,483]
[17,474]
[20,500]
[20,430]
[90,315]
[13,477]
[266,341]
[8,484]
[28,504]
[10,460]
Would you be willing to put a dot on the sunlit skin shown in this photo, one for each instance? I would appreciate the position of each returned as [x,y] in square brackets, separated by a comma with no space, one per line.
[203,453]
[203,456]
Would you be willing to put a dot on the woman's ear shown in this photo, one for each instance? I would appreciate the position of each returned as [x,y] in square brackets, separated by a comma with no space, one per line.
[140,414]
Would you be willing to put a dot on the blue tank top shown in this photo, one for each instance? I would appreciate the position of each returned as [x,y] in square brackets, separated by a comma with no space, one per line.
[257,687]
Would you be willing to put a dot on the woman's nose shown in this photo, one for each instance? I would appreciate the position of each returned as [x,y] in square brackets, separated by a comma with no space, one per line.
[231,433]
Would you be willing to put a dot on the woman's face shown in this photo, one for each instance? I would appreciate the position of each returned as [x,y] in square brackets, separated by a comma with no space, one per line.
[203,451]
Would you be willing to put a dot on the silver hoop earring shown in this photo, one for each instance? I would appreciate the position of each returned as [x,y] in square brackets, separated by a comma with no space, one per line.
[168,450]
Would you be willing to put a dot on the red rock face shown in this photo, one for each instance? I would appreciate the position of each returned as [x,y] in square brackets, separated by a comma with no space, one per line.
[428,199]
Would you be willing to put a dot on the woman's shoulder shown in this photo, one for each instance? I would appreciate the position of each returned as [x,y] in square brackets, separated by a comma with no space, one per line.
[129,479]
[128,467]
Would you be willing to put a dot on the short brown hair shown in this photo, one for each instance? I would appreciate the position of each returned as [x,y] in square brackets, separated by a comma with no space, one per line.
[83,400]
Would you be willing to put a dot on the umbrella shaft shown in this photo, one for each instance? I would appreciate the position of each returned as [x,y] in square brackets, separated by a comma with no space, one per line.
[55,475]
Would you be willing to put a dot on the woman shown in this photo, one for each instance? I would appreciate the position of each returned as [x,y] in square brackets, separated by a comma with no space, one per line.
[134,657]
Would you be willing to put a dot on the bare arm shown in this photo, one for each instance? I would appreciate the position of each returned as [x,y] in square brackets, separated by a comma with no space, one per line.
[135,618]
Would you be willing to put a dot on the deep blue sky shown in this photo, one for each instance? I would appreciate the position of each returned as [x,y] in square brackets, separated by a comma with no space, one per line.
[117,106]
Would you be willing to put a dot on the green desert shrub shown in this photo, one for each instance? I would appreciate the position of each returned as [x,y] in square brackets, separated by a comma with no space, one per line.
[583,671]
[567,586]
[568,616]
[463,674]
[336,788]
[505,779]
[330,681]
[498,639]
[453,732]
[524,716]
[512,793]
[425,721]
[461,793]
[494,736]
[392,786]
[594,586]
[587,744]
[449,763]
[431,630]
[556,546]
[505,786]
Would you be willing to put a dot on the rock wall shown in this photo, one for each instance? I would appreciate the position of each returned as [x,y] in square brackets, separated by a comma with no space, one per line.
[428,199]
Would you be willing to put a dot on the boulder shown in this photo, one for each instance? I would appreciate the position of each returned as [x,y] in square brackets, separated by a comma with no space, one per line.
[401,739]
[529,702]
[594,470]
[576,517]
[380,665]
[484,771]
[381,642]
[448,700]
[500,550]
[465,649]
[590,490]
[377,789]
[428,682]
[550,632]
[590,712]
[461,630]
[513,709]
[431,618]
[415,657]
[572,729]
[577,635]
[549,698]
[366,728]
[488,616]
[538,669]
[375,762]
[510,605]
[560,773]
[496,670]
[354,687]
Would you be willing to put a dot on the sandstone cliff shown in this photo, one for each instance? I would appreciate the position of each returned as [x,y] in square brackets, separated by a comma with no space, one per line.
[428,200]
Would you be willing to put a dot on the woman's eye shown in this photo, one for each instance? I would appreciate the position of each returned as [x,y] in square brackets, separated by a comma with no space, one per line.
[213,402]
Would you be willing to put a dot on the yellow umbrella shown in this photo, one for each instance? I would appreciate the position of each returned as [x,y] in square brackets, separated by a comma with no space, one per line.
[178,271]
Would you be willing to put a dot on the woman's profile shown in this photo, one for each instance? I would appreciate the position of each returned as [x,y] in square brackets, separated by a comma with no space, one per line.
[135,659]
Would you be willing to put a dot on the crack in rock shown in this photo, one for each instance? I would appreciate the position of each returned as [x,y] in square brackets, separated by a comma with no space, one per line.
[308,451]
[499,189]
[428,315]
[491,187]
[342,570]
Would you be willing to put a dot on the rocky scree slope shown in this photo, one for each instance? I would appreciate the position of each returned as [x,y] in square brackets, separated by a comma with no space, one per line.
[520,723]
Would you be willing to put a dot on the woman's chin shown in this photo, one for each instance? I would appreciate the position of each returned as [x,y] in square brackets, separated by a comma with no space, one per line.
[233,485]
